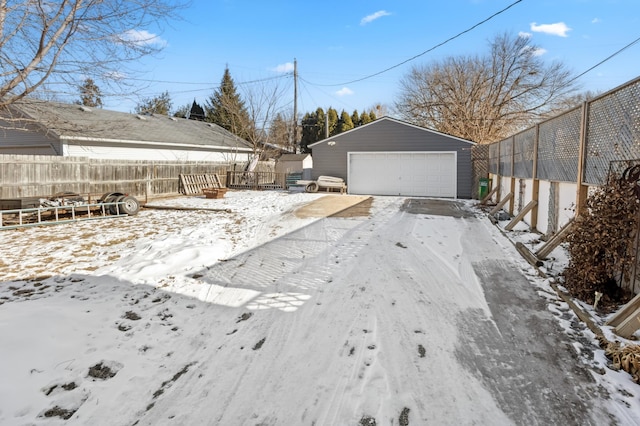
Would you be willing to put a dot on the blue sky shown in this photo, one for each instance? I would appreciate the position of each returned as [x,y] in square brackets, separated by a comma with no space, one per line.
[337,42]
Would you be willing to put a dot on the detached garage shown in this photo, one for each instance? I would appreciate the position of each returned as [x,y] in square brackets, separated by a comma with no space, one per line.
[391,157]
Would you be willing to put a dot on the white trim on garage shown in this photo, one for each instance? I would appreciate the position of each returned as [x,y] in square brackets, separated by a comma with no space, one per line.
[404,173]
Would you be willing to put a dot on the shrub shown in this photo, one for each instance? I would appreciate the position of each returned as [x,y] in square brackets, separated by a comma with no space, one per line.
[602,244]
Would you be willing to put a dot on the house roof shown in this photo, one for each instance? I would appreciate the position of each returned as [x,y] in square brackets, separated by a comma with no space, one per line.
[379,120]
[293,157]
[68,121]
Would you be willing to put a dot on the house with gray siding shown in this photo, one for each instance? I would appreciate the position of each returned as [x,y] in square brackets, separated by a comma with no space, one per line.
[34,127]
[392,157]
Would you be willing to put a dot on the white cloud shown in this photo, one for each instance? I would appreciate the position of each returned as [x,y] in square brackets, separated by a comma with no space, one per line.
[115,75]
[559,29]
[596,20]
[344,92]
[535,51]
[523,34]
[539,51]
[143,38]
[374,16]
[287,67]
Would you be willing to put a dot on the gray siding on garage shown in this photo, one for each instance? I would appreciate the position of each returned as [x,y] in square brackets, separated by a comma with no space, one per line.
[387,134]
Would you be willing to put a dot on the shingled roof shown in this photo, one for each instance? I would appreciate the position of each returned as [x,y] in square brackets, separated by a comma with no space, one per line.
[68,121]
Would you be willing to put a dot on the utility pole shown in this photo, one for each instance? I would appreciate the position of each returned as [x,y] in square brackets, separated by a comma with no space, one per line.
[295,105]
[326,124]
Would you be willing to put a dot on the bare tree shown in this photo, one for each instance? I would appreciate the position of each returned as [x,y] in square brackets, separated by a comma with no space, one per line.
[485,98]
[281,131]
[263,103]
[55,44]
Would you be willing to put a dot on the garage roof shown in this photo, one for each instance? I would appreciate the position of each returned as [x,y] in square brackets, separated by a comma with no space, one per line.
[383,119]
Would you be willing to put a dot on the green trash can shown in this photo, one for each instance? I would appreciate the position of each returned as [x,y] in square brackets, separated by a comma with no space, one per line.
[483,188]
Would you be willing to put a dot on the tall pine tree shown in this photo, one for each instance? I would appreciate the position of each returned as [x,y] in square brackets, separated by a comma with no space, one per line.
[332,114]
[355,118]
[365,118]
[196,112]
[308,136]
[345,123]
[313,129]
[226,109]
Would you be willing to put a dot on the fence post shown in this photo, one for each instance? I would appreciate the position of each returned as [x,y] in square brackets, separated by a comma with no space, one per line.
[147,187]
[499,192]
[535,190]
[513,179]
[581,191]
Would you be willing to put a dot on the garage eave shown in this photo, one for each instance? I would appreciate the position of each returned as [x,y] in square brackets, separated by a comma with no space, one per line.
[378,121]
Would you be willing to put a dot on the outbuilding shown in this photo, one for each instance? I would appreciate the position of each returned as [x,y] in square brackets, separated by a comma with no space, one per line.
[295,163]
[392,157]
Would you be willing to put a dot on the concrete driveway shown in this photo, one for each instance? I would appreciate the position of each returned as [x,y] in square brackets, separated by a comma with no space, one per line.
[407,313]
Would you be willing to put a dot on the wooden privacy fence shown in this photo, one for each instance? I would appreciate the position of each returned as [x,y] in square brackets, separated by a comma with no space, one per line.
[43,175]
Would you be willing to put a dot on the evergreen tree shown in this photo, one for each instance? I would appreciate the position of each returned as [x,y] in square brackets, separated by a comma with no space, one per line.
[355,118]
[160,104]
[226,109]
[372,116]
[345,122]
[333,121]
[196,112]
[365,118]
[313,129]
[309,131]
[90,94]
[321,124]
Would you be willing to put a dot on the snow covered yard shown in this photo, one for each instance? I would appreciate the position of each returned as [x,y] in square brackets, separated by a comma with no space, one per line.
[248,314]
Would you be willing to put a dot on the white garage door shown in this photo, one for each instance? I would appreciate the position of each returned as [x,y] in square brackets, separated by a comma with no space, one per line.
[427,174]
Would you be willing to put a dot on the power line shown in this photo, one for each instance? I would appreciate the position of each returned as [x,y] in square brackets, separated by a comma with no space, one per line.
[604,60]
[209,83]
[426,51]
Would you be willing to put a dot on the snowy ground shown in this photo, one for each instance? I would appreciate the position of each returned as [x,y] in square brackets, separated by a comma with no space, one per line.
[168,317]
